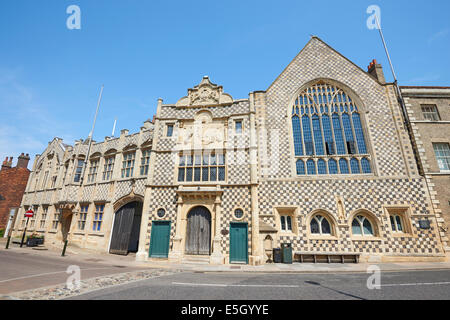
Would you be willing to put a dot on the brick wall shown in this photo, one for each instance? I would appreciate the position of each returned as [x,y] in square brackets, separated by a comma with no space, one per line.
[12,186]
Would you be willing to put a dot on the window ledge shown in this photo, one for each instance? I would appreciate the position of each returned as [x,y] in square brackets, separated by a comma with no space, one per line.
[287,233]
[98,234]
[374,239]
[79,233]
[52,231]
[403,235]
[323,237]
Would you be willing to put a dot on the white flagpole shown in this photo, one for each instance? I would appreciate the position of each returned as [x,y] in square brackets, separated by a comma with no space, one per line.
[91,134]
[400,97]
[114,128]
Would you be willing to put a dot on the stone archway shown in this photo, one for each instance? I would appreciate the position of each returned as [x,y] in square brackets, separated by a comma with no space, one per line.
[198,231]
[126,226]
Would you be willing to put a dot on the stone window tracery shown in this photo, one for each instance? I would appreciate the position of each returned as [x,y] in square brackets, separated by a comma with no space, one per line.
[328,133]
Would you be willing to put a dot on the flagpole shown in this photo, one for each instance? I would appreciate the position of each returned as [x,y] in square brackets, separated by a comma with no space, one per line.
[400,97]
[90,135]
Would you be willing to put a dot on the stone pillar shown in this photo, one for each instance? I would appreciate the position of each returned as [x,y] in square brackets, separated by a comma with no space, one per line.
[176,254]
[257,255]
[142,254]
[217,256]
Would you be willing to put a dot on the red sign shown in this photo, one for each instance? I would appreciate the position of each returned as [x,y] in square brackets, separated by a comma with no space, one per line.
[29,213]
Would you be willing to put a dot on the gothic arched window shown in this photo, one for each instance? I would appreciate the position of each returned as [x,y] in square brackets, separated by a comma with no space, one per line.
[328,133]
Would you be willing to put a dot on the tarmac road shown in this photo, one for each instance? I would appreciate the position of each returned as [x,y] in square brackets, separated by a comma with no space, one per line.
[421,285]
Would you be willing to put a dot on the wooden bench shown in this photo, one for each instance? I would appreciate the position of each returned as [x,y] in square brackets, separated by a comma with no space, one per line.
[328,257]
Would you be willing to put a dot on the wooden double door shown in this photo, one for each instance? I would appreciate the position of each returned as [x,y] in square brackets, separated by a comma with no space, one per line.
[198,232]
[126,229]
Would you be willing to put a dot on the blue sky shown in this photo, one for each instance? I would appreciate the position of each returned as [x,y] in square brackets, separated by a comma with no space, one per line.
[50,76]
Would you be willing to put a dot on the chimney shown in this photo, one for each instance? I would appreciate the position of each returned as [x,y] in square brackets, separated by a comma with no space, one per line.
[376,70]
[23,160]
[7,163]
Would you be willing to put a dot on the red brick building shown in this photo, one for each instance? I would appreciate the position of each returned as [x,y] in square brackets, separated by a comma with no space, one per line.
[13,182]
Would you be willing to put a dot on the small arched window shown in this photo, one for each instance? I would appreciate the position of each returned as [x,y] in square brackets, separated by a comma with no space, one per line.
[326,123]
[320,225]
[361,226]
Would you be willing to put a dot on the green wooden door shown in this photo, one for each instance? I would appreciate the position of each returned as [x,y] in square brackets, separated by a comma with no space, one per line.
[238,242]
[159,241]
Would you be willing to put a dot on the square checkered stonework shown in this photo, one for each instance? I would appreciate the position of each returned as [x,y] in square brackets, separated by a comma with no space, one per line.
[393,180]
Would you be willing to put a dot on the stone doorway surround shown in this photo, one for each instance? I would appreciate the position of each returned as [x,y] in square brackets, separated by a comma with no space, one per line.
[189,198]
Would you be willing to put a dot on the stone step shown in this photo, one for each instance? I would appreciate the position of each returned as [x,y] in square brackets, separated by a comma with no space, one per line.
[196,259]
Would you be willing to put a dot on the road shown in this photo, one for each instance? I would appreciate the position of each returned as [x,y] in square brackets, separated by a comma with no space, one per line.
[420,285]
[24,270]
[21,271]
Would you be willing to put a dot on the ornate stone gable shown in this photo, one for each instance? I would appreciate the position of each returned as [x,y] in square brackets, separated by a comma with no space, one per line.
[204,94]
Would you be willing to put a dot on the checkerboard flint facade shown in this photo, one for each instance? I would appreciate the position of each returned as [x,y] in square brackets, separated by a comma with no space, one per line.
[260,178]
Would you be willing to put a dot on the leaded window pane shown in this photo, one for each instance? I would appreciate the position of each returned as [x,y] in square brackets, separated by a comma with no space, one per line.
[356,227]
[283,223]
[321,166]
[300,167]
[213,174]
[365,165]
[332,166]
[317,135]
[197,174]
[205,174]
[314,226]
[307,136]
[328,135]
[338,135]
[221,159]
[393,223]
[221,173]
[298,146]
[348,130]
[359,133]
[188,174]
[181,174]
[343,165]
[311,167]
[289,223]
[355,166]
[326,229]
[367,227]
[398,219]
[213,159]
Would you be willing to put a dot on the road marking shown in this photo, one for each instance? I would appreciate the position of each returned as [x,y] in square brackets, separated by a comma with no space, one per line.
[233,285]
[416,284]
[48,273]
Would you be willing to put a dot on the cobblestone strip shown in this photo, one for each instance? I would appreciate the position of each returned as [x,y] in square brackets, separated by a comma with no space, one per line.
[62,292]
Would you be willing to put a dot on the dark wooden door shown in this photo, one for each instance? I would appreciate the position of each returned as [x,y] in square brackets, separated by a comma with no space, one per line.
[123,226]
[198,233]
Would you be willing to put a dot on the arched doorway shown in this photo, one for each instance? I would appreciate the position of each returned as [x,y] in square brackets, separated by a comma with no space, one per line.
[126,229]
[198,231]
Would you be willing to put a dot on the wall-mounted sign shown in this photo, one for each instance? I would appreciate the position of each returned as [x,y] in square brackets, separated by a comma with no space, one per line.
[424,224]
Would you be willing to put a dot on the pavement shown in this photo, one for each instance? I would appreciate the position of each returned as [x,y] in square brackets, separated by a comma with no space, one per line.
[78,254]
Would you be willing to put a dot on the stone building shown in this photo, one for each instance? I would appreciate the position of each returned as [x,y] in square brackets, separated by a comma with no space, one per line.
[320,160]
[429,116]
[13,181]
